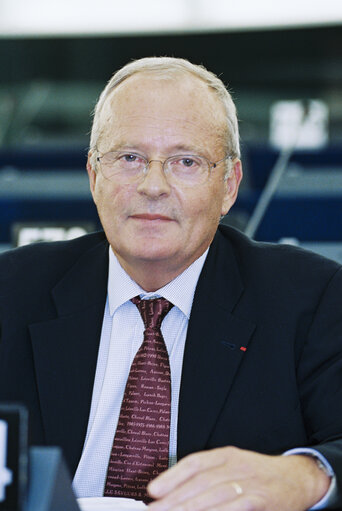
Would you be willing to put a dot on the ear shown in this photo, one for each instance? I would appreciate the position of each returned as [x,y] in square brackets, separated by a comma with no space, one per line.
[91,173]
[232,183]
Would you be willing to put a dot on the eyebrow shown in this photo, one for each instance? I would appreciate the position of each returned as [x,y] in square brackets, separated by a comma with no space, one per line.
[179,148]
[188,149]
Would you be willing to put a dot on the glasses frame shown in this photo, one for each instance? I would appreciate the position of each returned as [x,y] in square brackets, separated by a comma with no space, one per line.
[211,164]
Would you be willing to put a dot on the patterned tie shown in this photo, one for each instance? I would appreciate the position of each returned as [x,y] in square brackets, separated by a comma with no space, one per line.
[141,445]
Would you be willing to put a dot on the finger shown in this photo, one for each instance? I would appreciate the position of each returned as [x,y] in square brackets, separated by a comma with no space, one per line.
[186,469]
[193,486]
[221,494]
[198,484]
[245,503]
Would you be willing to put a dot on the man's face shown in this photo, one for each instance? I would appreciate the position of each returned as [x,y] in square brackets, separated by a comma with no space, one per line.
[150,221]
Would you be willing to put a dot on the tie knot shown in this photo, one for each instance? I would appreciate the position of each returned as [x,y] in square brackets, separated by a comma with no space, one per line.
[152,311]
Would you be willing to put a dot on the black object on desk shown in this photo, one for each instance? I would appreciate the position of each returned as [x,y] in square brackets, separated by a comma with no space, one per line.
[34,479]
[50,484]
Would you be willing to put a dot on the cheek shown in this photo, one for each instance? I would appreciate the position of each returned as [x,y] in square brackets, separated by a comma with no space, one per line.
[110,197]
[209,202]
[202,211]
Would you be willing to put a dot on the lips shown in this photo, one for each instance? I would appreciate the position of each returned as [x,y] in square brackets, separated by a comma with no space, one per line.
[151,217]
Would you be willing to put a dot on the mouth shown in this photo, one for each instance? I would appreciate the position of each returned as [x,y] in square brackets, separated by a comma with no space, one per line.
[151,217]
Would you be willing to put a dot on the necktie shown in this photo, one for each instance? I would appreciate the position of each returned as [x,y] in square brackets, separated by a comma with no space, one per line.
[141,445]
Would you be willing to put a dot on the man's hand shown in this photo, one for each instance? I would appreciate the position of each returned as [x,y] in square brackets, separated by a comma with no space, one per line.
[231,479]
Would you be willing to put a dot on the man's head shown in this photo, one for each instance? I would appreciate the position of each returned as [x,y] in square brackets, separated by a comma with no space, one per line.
[159,220]
[167,68]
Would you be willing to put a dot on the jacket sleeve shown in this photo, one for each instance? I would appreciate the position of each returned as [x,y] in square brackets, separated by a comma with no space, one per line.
[320,379]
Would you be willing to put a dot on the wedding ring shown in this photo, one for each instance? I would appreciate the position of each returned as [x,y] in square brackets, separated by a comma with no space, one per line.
[237,488]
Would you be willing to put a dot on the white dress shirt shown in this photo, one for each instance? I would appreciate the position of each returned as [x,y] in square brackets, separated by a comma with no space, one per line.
[121,337]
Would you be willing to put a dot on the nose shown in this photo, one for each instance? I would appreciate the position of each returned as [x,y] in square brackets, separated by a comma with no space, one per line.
[154,183]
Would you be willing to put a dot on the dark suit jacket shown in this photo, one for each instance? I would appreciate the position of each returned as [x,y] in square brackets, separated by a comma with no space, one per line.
[263,357]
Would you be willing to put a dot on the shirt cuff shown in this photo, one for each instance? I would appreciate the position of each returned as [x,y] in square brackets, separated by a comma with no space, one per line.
[326,500]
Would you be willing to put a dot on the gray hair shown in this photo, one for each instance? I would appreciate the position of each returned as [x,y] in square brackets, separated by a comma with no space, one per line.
[167,67]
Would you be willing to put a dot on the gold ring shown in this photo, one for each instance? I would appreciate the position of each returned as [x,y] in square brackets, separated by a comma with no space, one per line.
[237,488]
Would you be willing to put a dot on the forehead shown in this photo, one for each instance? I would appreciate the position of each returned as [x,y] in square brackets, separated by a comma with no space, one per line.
[181,105]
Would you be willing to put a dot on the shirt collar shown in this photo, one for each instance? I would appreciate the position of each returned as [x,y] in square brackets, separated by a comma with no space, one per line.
[180,291]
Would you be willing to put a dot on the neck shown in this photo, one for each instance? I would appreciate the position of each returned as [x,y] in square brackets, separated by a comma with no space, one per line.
[151,275]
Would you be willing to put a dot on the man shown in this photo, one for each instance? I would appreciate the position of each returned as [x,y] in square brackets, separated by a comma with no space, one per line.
[254,331]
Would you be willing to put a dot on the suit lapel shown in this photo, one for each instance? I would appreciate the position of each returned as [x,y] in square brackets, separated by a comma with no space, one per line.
[65,351]
[215,347]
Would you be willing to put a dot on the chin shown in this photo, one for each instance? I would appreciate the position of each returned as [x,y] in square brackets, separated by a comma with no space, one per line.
[156,255]
[153,252]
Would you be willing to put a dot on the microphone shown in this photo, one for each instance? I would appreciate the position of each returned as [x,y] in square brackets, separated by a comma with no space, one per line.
[275,177]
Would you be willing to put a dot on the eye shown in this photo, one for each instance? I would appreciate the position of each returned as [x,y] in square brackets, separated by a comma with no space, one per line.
[131,161]
[129,158]
[187,162]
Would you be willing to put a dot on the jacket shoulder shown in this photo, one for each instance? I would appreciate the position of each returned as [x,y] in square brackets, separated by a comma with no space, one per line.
[44,260]
[276,259]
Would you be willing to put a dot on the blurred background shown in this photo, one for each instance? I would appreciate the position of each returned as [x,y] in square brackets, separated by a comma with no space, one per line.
[282,64]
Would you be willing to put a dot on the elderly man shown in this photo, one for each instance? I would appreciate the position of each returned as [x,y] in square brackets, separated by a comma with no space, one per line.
[168,341]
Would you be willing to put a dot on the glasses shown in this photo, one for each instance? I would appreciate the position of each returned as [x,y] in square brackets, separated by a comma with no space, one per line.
[184,169]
